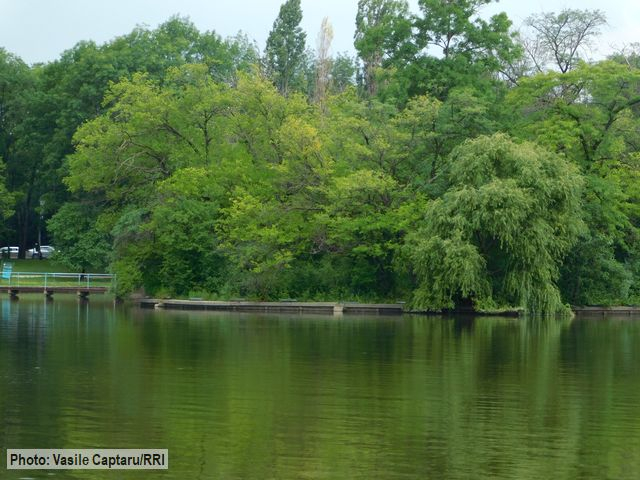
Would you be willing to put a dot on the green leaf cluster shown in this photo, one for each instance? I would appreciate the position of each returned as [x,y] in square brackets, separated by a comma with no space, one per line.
[510,214]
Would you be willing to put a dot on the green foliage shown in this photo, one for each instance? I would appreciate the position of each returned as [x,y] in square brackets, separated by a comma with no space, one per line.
[16,83]
[41,108]
[361,225]
[80,242]
[500,232]
[470,50]
[382,26]
[343,71]
[174,246]
[285,51]
[589,115]
[6,198]
[151,158]
[165,156]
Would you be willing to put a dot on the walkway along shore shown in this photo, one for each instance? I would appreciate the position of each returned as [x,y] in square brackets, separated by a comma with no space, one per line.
[336,308]
[83,291]
[329,308]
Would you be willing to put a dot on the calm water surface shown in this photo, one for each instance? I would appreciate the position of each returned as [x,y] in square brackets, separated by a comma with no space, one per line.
[237,396]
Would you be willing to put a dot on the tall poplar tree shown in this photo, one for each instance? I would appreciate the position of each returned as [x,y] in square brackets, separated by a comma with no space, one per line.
[381,26]
[284,53]
[323,61]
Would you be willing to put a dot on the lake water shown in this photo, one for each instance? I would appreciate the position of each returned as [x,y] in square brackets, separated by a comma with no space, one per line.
[236,396]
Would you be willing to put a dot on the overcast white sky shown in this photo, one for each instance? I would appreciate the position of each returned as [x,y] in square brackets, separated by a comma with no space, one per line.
[40,30]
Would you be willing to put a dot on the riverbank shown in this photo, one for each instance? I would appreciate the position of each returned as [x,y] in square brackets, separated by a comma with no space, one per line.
[339,308]
[330,308]
[603,311]
[292,306]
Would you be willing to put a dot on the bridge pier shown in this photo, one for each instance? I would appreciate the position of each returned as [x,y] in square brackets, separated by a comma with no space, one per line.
[48,291]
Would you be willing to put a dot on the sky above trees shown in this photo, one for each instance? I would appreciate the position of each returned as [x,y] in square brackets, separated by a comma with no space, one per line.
[40,30]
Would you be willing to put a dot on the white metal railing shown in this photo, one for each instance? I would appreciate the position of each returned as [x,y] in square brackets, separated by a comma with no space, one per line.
[37,279]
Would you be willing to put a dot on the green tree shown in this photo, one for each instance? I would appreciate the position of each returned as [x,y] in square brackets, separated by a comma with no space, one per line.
[46,104]
[590,116]
[359,228]
[470,50]
[149,132]
[79,237]
[499,234]
[6,198]
[381,27]
[268,224]
[17,158]
[285,50]
[127,159]
[170,245]
[343,72]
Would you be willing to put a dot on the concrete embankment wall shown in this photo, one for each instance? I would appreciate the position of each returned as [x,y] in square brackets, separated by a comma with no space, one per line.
[329,308]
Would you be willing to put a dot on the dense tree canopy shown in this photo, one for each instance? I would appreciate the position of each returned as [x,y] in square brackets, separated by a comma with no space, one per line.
[589,115]
[43,106]
[453,164]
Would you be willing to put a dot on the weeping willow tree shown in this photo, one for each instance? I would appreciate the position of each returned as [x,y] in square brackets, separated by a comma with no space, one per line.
[497,237]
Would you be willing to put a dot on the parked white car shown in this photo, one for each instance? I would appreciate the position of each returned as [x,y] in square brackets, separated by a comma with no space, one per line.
[9,252]
[45,250]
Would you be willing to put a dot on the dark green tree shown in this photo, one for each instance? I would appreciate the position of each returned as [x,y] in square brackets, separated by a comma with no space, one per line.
[285,50]
[80,241]
[6,197]
[343,72]
[16,84]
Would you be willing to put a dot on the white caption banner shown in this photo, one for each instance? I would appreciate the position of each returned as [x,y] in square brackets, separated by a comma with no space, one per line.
[87,459]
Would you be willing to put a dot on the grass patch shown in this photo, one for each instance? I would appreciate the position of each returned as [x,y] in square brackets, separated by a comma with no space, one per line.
[40,266]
